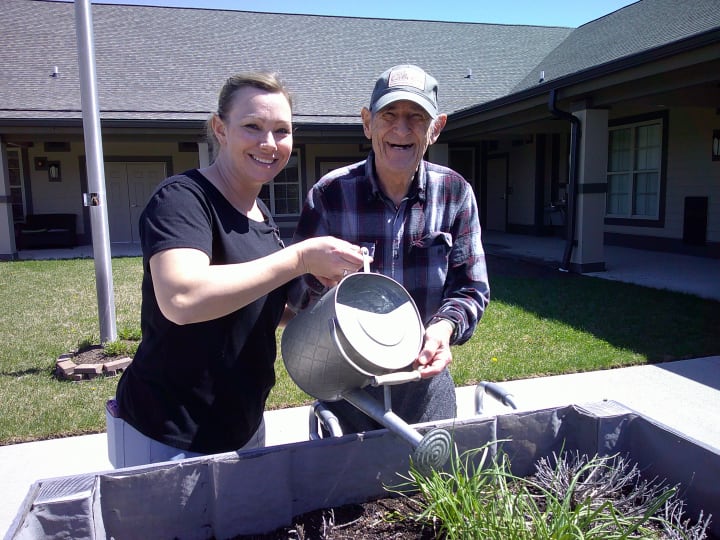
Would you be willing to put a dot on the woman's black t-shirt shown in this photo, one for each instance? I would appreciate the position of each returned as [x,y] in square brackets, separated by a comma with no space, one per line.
[202,387]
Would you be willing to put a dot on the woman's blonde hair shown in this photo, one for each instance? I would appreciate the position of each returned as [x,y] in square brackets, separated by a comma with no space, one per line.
[261,80]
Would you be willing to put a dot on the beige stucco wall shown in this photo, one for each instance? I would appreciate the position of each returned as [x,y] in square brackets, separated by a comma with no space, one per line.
[52,197]
[690,172]
[66,196]
[349,153]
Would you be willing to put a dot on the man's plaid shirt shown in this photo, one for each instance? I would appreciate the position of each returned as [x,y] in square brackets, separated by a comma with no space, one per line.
[430,243]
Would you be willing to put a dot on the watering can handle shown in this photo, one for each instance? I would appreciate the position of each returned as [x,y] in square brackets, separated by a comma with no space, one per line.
[366,259]
[399,377]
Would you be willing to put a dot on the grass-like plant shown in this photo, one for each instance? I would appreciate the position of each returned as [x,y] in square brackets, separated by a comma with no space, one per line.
[121,347]
[569,497]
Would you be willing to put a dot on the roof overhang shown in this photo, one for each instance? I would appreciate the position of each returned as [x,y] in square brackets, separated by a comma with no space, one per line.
[686,64]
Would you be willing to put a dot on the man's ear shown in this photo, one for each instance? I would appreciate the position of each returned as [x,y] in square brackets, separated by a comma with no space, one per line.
[437,126]
[366,119]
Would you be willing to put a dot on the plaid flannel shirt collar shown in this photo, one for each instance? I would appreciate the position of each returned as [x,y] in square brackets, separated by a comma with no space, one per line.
[417,188]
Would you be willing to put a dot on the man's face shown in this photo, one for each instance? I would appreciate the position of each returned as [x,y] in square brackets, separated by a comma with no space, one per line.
[400,134]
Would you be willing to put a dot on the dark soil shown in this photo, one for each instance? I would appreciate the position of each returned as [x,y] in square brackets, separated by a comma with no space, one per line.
[92,355]
[382,519]
[392,519]
[95,354]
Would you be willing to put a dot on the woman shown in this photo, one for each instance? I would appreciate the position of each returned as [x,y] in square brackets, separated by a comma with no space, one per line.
[214,287]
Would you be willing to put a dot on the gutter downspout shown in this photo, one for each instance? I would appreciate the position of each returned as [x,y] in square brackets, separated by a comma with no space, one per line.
[572,180]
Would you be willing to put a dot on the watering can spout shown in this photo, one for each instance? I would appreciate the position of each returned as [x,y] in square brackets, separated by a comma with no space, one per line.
[431,450]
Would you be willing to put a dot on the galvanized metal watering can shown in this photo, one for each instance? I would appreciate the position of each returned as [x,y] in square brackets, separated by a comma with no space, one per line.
[364,331]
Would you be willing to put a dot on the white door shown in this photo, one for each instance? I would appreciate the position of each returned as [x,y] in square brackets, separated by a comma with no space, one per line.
[117,202]
[497,173]
[128,187]
[143,178]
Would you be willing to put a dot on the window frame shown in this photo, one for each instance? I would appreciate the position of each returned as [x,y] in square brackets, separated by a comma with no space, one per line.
[20,185]
[271,200]
[634,122]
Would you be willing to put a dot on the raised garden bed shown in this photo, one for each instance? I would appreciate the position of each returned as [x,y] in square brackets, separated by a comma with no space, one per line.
[256,492]
[568,496]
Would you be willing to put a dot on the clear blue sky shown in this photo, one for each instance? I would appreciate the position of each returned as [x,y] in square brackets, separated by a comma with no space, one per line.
[570,13]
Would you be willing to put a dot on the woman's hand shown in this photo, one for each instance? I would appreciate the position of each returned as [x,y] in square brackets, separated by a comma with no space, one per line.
[330,259]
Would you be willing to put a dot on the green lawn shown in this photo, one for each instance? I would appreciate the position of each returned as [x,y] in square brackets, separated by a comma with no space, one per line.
[534,326]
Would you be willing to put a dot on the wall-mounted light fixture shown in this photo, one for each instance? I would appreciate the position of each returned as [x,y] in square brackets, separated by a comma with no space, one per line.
[40,163]
[716,145]
[54,173]
[55,72]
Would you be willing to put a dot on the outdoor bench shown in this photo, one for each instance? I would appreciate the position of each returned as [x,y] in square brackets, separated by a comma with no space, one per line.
[47,231]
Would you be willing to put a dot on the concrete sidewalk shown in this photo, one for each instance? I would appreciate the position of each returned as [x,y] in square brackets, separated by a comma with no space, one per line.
[661,270]
[683,395]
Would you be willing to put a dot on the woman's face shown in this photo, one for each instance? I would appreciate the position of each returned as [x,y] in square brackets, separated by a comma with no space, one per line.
[255,136]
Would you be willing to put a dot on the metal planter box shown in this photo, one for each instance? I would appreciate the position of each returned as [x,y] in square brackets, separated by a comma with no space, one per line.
[254,492]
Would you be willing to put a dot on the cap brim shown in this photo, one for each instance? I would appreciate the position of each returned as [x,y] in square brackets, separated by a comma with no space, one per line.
[400,95]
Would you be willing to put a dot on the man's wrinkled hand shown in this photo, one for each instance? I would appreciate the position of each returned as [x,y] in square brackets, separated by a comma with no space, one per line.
[435,354]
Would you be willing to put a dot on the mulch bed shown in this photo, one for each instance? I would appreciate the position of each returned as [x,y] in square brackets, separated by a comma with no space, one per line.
[89,363]
[382,519]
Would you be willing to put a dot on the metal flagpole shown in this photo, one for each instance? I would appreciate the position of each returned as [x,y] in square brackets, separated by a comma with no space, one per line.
[95,199]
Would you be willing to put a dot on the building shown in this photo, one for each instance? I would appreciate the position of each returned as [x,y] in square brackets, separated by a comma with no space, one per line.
[606,133]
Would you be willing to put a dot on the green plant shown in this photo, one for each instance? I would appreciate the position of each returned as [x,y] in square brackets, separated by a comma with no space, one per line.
[574,497]
[85,343]
[120,348]
[130,333]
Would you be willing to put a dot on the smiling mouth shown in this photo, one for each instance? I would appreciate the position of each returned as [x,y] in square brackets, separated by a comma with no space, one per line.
[264,161]
[401,146]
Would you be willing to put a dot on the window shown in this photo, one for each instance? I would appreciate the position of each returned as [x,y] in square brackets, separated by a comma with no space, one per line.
[634,171]
[17,190]
[282,195]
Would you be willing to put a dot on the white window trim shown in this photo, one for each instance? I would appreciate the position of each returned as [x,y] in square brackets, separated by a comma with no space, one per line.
[21,175]
[271,189]
[633,171]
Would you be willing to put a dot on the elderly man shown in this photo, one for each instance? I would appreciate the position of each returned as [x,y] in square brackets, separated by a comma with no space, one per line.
[421,220]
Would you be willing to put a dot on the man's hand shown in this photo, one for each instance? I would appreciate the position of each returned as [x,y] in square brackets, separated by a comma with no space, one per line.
[435,354]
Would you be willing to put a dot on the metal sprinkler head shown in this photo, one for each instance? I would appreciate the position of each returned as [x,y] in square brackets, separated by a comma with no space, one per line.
[433,451]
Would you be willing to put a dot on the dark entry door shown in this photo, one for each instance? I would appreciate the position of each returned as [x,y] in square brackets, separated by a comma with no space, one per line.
[497,178]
